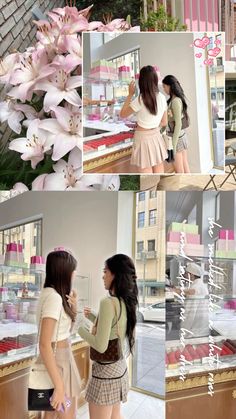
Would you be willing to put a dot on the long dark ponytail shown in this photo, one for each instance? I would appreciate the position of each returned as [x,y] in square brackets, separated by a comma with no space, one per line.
[176,90]
[124,286]
[148,86]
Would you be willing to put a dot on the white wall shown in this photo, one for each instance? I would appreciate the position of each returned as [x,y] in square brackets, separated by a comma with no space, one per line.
[173,54]
[91,224]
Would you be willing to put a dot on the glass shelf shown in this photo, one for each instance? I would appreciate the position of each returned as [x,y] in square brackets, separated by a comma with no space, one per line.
[114,83]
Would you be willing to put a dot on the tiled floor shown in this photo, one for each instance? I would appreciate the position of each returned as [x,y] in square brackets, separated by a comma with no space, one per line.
[138,406]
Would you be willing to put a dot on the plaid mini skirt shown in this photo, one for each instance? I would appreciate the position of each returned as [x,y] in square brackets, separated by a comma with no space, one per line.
[182,143]
[109,383]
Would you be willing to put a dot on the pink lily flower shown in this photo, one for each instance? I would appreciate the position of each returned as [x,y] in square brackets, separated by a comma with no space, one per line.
[34,145]
[68,176]
[60,86]
[7,65]
[67,131]
[14,113]
[33,68]
[71,11]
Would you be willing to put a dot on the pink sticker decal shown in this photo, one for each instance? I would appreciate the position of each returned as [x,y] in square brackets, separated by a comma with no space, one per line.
[198,55]
[202,43]
[218,42]
[214,52]
[209,61]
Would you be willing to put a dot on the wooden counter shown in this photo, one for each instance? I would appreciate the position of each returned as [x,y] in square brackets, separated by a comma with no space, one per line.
[14,381]
[190,399]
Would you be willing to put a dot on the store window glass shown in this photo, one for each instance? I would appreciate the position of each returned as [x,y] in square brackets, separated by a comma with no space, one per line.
[230,109]
[29,235]
[141,196]
[152,217]
[141,219]
[217,88]
[217,207]
[148,361]
[151,245]
[132,60]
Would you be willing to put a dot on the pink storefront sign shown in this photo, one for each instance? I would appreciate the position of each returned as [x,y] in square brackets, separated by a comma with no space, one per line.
[202,15]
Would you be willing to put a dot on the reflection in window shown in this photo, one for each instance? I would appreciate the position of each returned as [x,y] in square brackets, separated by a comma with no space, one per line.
[29,235]
[217,86]
[230,108]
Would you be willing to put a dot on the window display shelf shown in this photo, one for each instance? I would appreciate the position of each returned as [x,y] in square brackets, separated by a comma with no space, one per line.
[112,82]
[19,293]
[221,319]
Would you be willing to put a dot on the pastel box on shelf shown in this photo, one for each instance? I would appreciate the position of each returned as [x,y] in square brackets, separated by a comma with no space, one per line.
[226,234]
[15,247]
[225,254]
[183,227]
[174,236]
[16,264]
[227,244]
[37,263]
[188,249]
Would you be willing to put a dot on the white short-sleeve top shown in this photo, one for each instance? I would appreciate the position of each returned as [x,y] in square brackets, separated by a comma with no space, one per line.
[144,118]
[50,305]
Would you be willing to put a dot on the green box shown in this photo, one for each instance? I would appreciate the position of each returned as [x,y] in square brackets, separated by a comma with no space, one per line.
[183,227]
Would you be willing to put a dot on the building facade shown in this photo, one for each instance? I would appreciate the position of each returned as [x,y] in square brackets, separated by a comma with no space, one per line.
[198,15]
[150,245]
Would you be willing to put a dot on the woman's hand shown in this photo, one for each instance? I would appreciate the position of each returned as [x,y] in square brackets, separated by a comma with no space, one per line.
[58,400]
[87,311]
[132,88]
[72,300]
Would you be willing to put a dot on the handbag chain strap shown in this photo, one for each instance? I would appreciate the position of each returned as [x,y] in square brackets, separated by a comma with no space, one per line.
[39,331]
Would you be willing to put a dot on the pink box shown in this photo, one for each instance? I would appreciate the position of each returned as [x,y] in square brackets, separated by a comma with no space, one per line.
[104,75]
[222,244]
[14,256]
[93,117]
[174,236]
[14,247]
[226,234]
[124,68]
[189,249]
[37,259]
[104,69]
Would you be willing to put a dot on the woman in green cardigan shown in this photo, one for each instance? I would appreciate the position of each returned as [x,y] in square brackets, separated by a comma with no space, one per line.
[177,117]
[109,384]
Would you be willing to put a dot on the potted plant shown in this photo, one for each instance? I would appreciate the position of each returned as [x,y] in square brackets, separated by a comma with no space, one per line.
[160,21]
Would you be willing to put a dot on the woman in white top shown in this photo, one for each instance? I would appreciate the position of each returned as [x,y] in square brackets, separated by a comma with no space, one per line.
[56,314]
[149,151]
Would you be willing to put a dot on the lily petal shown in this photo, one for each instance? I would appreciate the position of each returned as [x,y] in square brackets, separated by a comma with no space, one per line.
[63,144]
[55,182]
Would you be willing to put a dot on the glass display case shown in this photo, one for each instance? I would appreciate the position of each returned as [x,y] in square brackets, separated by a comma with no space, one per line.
[107,136]
[19,293]
[211,345]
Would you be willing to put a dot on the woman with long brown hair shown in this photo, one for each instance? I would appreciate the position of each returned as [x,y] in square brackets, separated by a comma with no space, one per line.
[178,121]
[149,151]
[56,314]
[109,384]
